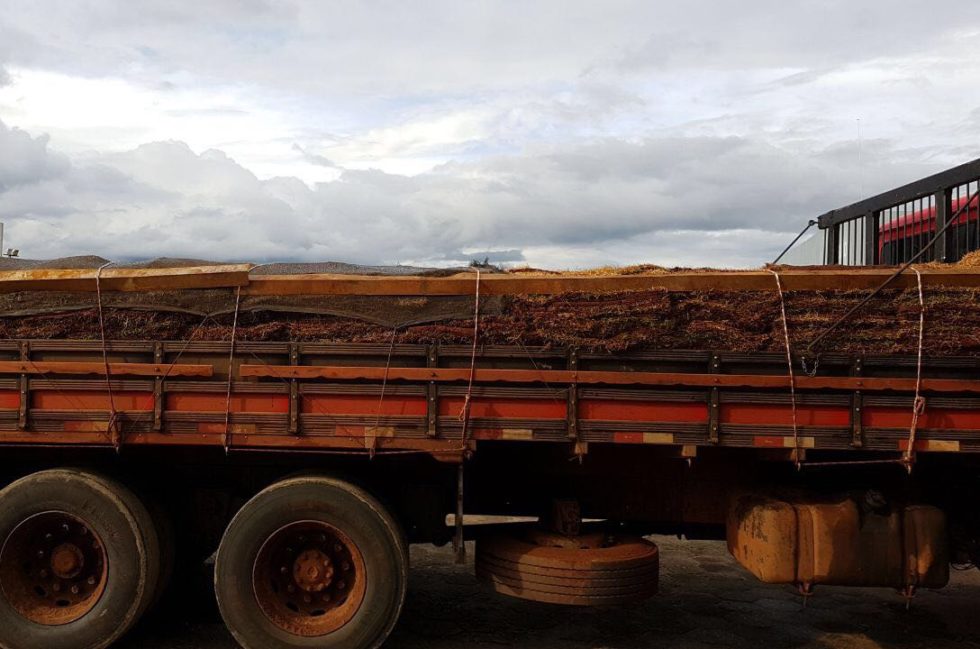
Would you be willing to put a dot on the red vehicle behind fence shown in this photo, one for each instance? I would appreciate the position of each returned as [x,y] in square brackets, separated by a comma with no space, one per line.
[904,235]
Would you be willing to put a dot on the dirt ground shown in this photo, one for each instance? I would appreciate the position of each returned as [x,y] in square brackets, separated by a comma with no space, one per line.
[706,600]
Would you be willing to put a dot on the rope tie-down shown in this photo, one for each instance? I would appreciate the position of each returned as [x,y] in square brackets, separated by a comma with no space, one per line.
[371,437]
[113,427]
[789,364]
[459,544]
[919,402]
[226,437]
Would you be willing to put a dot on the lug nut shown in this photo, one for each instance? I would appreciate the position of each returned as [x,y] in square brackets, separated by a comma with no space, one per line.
[74,590]
[90,581]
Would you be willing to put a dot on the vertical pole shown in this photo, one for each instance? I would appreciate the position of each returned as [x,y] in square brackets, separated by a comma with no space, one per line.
[871,239]
[293,425]
[158,357]
[943,249]
[432,394]
[459,542]
[832,257]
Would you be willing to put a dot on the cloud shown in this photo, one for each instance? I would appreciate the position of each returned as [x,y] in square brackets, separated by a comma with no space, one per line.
[4,77]
[668,200]
[560,133]
[314,158]
[27,160]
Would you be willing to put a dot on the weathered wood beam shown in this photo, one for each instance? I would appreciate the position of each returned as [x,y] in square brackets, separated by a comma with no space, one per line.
[809,279]
[604,377]
[120,369]
[125,279]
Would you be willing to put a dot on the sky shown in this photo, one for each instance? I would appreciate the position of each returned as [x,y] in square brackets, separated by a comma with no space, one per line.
[557,134]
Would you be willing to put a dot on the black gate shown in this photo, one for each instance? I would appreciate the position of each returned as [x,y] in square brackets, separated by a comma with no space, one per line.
[892,227]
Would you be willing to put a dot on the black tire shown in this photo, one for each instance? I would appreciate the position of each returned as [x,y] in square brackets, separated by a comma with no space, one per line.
[626,571]
[321,500]
[167,548]
[128,541]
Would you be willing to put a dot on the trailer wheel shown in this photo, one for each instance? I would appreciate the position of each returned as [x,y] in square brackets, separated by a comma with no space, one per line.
[311,562]
[79,561]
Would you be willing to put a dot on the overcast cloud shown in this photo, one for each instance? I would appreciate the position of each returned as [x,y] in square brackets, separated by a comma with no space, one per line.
[558,134]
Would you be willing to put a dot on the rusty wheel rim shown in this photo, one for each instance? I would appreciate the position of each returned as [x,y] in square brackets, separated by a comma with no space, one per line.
[309,578]
[53,568]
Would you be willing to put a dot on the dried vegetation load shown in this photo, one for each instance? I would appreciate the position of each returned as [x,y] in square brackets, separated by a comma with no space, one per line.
[613,321]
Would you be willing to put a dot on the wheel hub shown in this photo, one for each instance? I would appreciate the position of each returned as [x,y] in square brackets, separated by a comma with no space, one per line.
[53,568]
[67,561]
[308,578]
[313,571]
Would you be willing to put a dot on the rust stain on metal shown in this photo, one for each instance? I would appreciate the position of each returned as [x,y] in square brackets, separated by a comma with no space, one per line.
[53,568]
[835,542]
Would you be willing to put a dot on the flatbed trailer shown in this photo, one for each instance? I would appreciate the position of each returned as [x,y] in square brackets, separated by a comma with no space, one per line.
[309,466]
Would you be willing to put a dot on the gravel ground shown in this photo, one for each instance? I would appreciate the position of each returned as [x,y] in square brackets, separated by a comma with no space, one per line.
[706,600]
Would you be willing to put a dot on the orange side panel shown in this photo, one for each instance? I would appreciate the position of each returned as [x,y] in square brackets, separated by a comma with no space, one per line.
[931,418]
[769,441]
[216,402]
[9,400]
[488,434]
[782,415]
[505,408]
[610,410]
[90,400]
[334,404]
[628,438]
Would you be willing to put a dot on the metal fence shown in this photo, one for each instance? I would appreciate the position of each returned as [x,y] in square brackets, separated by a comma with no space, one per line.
[893,227]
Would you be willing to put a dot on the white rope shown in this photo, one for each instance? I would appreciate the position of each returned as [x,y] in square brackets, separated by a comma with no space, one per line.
[464,414]
[231,367]
[919,403]
[789,364]
[115,434]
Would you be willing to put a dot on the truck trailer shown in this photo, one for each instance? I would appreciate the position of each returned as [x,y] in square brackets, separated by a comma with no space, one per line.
[301,425]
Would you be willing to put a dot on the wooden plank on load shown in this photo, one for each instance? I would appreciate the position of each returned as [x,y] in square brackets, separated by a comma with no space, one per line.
[98,368]
[483,375]
[809,279]
[125,279]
